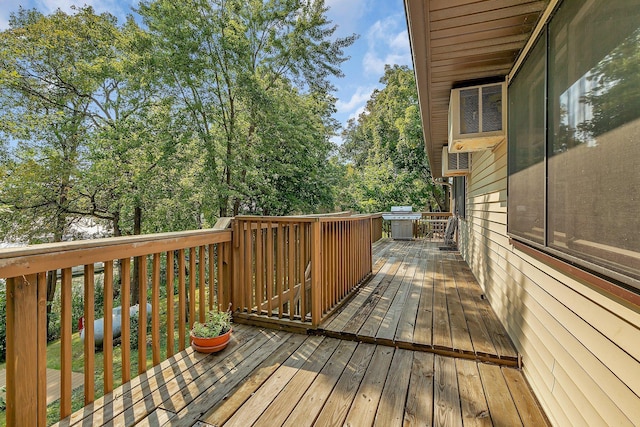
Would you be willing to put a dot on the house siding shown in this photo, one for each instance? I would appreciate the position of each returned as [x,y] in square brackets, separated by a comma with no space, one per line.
[580,347]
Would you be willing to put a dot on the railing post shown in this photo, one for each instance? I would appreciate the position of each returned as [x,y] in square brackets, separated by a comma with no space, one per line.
[22,352]
[228,274]
[316,272]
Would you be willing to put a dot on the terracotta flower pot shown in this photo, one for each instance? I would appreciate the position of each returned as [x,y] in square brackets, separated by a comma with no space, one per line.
[211,345]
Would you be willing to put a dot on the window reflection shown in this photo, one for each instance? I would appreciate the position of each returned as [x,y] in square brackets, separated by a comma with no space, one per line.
[594,133]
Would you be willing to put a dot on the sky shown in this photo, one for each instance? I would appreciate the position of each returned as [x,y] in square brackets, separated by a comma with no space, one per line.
[380,24]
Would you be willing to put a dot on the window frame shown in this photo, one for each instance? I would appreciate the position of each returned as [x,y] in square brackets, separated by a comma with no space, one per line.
[613,282]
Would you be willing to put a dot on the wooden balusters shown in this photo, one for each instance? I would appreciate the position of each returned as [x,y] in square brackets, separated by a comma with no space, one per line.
[125,335]
[65,344]
[89,336]
[201,285]
[182,301]
[107,343]
[171,327]
[142,314]
[155,309]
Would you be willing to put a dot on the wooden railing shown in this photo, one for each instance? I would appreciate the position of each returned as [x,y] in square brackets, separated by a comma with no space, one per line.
[292,270]
[376,227]
[298,268]
[431,226]
[197,261]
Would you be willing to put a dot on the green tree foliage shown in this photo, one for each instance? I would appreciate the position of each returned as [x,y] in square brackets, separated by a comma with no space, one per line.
[385,149]
[252,77]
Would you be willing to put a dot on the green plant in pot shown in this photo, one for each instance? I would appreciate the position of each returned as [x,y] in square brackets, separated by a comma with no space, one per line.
[213,335]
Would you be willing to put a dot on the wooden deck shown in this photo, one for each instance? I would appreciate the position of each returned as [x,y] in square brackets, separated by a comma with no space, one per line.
[421,298]
[421,301]
[274,378]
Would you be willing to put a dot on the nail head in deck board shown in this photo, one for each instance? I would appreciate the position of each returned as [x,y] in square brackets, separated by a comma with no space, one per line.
[501,406]
[446,405]
[311,403]
[337,406]
[261,399]
[475,411]
[419,407]
[219,413]
[392,402]
[530,413]
[285,402]
[365,404]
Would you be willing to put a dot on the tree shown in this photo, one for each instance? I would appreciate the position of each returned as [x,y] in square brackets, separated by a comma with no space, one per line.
[228,61]
[385,146]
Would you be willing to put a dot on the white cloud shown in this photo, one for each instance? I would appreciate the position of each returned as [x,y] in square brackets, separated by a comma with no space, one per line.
[388,43]
[119,8]
[357,100]
[346,14]
[358,112]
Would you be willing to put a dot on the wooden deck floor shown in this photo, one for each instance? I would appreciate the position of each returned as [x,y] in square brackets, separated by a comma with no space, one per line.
[421,298]
[410,348]
[273,378]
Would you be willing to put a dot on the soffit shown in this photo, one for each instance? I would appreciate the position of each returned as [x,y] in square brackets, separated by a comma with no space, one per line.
[458,41]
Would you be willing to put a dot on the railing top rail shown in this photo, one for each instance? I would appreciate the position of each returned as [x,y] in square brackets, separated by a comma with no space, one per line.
[50,256]
[294,218]
[444,214]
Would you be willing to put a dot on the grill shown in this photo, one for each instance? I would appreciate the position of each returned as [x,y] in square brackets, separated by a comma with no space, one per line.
[402,218]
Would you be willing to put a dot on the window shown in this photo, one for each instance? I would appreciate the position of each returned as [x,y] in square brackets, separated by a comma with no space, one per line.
[460,195]
[526,148]
[574,190]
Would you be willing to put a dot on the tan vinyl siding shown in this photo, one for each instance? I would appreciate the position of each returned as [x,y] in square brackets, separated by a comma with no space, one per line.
[580,347]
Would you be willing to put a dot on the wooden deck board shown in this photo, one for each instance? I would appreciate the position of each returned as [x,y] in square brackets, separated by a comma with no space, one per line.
[268,377]
[364,406]
[427,299]
[337,405]
[308,408]
[219,413]
[293,379]
[423,333]
[446,399]
[261,399]
[391,320]
[500,401]
[392,402]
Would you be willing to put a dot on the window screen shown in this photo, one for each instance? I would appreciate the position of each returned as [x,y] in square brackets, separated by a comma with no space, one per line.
[583,202]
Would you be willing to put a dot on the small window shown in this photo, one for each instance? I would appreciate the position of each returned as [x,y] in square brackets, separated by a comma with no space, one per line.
[460,196]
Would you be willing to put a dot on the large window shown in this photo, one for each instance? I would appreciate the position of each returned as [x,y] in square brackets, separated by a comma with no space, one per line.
[574,190]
